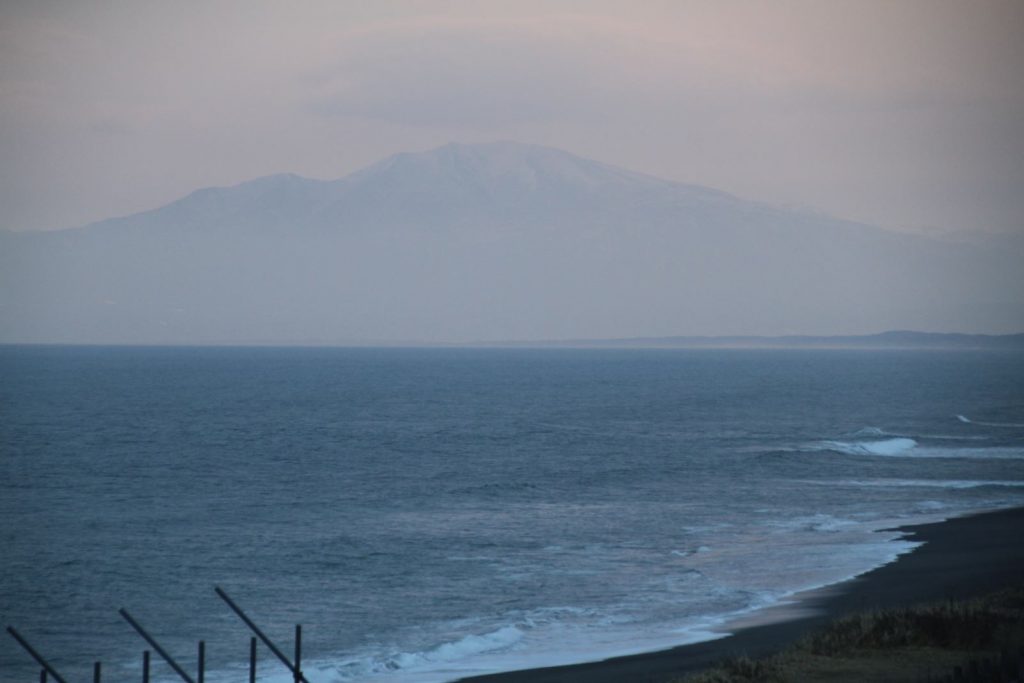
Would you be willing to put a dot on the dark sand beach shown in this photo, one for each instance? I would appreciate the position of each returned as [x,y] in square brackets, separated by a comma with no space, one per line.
[960,558]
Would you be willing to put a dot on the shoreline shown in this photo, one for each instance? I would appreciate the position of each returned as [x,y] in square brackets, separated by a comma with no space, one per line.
[961,557]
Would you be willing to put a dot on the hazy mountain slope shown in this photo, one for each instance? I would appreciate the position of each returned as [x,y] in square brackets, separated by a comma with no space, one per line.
[499,241]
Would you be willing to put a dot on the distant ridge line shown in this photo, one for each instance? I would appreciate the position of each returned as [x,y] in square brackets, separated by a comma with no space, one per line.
[503,241]
[888,340]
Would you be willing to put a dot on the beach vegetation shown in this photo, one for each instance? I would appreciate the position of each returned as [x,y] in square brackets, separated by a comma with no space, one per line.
[918,643]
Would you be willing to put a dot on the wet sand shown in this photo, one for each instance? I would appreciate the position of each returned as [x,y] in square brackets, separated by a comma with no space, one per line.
[961,558]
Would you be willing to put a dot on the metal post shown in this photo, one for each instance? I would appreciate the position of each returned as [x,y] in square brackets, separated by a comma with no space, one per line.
[298,653]
[252,659]
[42,676]
[202,661]
[145,666]
[35,655]
[96,673]
[156,646]
[255,629]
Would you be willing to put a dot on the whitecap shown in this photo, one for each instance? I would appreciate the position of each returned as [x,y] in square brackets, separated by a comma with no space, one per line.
[926,483]
[909,448]
[887,447]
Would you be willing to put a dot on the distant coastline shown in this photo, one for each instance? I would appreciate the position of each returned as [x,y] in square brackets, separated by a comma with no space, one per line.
[896,339]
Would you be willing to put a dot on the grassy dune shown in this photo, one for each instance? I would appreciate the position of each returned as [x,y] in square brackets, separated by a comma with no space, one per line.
[922,643]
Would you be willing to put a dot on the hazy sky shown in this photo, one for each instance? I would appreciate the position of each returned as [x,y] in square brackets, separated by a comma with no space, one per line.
[908,114]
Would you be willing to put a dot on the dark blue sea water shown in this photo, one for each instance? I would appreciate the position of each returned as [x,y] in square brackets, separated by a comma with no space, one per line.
[430,513]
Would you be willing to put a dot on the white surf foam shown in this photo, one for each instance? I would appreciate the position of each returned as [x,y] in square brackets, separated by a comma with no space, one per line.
[885,447]
[904,447]
[436,660]
[535,640]
[923,483]
[992,453]
[473,644]
[817,522]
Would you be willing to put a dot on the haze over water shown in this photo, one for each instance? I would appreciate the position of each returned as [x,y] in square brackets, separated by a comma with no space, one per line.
[432,513]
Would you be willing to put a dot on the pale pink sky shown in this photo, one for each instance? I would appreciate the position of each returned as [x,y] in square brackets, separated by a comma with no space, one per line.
[908,114]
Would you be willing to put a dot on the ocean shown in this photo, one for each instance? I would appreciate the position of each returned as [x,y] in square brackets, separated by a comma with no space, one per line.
[427,514]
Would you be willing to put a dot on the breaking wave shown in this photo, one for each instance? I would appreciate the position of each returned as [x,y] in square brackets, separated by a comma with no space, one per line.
[887,447]
[905,447]
[499,640]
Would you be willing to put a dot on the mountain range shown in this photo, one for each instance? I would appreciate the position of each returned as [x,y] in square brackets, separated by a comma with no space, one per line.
[489,241]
